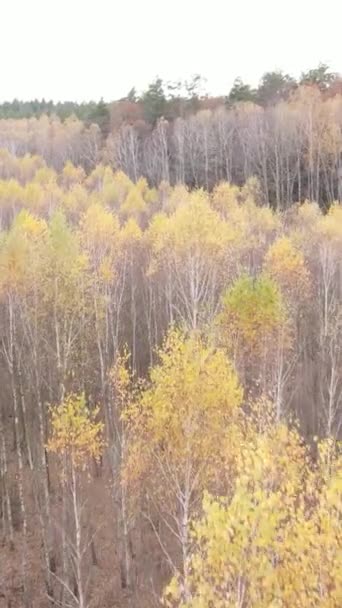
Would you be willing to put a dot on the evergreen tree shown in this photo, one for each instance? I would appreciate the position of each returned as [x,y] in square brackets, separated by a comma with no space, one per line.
[154,101]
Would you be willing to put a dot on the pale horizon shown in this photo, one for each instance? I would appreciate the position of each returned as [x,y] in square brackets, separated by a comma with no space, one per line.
[81,51]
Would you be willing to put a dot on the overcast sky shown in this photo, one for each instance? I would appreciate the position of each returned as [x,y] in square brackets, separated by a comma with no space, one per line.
[87,49]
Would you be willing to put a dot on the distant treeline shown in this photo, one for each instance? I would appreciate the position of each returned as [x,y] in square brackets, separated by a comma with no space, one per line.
[287,133]
[36,107]
[173,99]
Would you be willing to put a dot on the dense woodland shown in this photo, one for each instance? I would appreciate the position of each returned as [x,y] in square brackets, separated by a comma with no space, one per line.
[286,133]
[171,356]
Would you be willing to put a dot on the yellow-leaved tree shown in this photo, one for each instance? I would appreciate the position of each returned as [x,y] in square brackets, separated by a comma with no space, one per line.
[275,540]
[18,248]
[285,263]
[64,298]
[178,431]
[189,257]
[76,439]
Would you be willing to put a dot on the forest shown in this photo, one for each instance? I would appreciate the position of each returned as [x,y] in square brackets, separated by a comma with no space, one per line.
[287,133]
[171,351]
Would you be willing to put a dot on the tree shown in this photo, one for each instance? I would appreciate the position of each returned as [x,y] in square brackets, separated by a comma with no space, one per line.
[195,87]
[286,264]
[101,240]
[13,283]
[154,101]
[241,92]
[250,545]
[93,264]
[189,248]
[252,311]
[330,319]
[64,296]
[273,87]
[177,434]
[320,76]
[101,116]
[255,328]
[124,393]
[75,439]
[132,95]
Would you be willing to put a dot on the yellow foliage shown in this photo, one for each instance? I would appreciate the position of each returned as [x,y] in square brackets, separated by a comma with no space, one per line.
[286,265]
[331,224]
[119,188]
[64,267]
[173,198]
[71,175]
[16,262]
[309,213]
[33,196]
[30,225]
[142,186]
[95,179]
[75,432]
[28,166]
[45,176]
[225,198]
[185,413]
[100,227]
[193,228]
[276,540]
[11,193]
[252,192]
[13,263]
[131,232]
[76,200]
[134,203]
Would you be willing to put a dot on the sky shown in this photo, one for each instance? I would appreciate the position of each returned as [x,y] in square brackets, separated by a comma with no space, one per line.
[88,49]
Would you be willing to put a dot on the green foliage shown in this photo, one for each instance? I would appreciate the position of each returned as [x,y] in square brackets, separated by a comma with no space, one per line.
[275,86]
[36,108]
[241,92]
[154,101]
[252,310]
[320,76]
[101,116]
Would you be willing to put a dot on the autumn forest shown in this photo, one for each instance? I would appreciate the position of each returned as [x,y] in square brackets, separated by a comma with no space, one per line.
[171,348]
